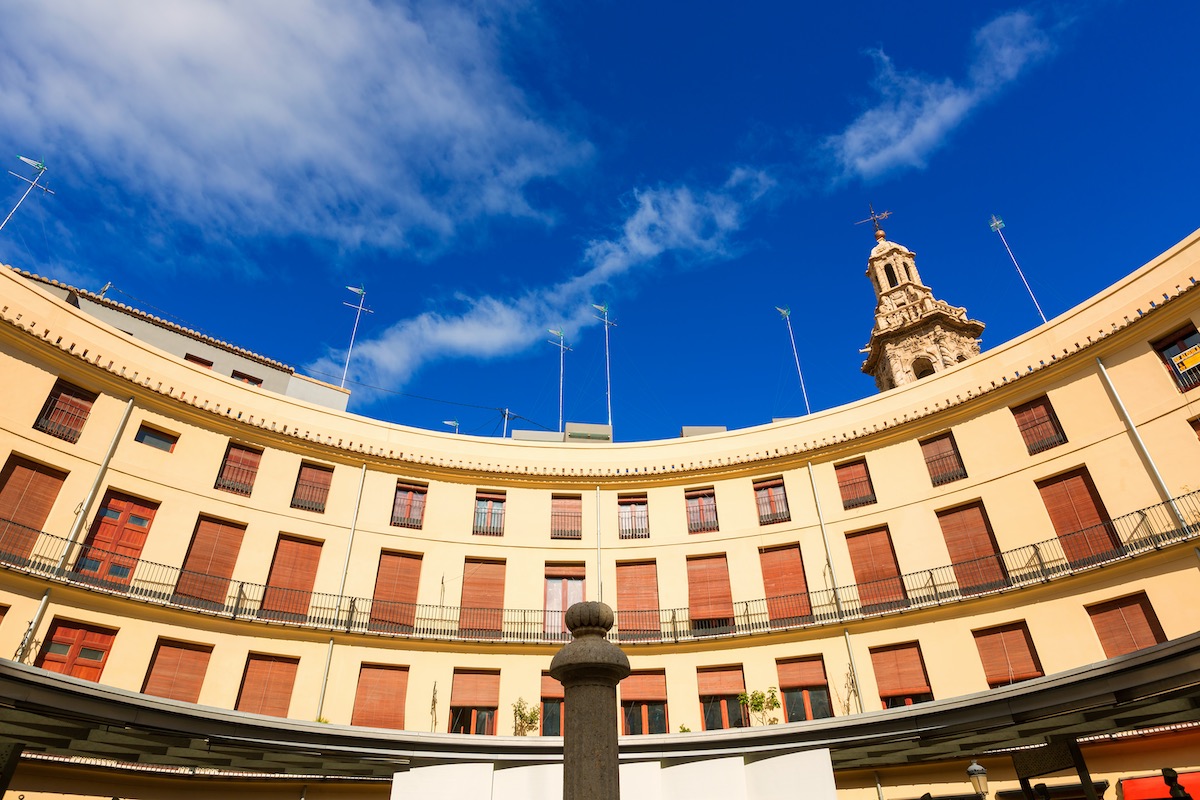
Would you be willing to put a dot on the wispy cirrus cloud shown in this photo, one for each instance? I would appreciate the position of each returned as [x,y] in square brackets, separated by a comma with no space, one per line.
[915,114]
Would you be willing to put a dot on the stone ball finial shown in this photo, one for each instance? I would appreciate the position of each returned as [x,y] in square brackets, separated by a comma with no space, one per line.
[880,235]
[589,618]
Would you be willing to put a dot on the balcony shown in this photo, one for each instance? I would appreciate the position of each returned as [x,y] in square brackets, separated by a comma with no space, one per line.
[566,525]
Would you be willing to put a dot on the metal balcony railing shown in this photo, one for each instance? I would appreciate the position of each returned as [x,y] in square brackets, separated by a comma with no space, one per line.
[566,525]
[945,468]
[633,522]
[44,555]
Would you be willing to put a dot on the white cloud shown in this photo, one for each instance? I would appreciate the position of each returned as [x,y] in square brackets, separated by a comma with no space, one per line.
[356,123]
[915,114]
[678,220]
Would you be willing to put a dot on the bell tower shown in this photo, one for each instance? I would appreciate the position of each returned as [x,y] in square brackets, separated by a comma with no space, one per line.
[915,335]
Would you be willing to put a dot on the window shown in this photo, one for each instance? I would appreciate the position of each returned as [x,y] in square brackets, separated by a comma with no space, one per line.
[1039,425]
[719,690]
[805,689]
[566,517]
[267,685]
[942,459]
[633,517]
[772,501]
[786,589]
[160,440]
[380,696]
[198,361]
[900,675]
[177,670]
[238,469]
[27,494]
[564,588]
[1180,353]
[710,603]
[482,606]
[551,718]
[489,514]
[64,412]
[637,601]
[312,488]
[644,703]
[208,565]
[701,510]
[1079,518]
[289,584]
[474,697]
[876,572]
[408,508]
[76,649]
[394,604]
[974,556]
[1126,624]
[854,482]
[1007,654]
[244,378]
[114,543]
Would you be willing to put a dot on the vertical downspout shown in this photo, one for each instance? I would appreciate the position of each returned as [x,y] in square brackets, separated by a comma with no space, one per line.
[599,567]
[362,478]
[85,507]
[324,681]
[34,624]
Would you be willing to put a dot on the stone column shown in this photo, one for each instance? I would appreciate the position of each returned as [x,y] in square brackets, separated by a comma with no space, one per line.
[589,668]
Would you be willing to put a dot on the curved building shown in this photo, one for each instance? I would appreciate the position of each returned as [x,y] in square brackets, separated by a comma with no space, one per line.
[995,558]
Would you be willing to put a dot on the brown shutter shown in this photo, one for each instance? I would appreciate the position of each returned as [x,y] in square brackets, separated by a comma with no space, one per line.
[783,579]
[637,599]
[267,685]
[177,670]
[1038,425]
[647,686]
[475,689]
[482,595]
[797,673]
[721,680]
[854,483]
[875,569]
[210,559]
[973,552]
[1126,624]
[380,697]
[551,688]
[565,570]
[1079,517]
[239,469]
[899,670]
[708,588]
[942,459]
[27,494]
[1007,654]
[64,412]
[293,571]
[312,487]
[395,600]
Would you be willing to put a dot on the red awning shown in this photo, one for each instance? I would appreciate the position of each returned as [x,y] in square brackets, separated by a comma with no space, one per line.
[1153,787]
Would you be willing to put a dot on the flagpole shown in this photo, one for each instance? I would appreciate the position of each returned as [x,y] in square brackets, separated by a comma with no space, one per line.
[607,368]
[359,309]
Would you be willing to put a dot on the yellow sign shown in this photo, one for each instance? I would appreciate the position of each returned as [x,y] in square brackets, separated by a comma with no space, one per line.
[1187,359]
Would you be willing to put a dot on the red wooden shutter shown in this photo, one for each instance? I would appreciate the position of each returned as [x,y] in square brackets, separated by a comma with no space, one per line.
[208,565]
[64,412]
[239,469]
[797,673]
[1007,654]
[1038,425]
[854,483]
[1079,517]
[783,579]
[899,670]
[720,680]
[76,649]
[551,688]
[942,459]
[394,604]
[875,569]
[27,494]
[267,685]
[637,600]
[645,686]
[380,697]
[482,595]
[114,543]
[475,689]
[566,517]
[289,585]
[312,487]
[177,670]
[1126,624]
[973,552]
[708,588]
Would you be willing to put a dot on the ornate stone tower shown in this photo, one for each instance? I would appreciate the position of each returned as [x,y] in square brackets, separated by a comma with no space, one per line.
[915,334]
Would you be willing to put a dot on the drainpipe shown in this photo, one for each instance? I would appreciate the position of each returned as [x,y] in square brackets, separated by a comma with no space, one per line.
[853,671]
[599,567]
[34,624]
[85,508]
[362,477]
[324,680]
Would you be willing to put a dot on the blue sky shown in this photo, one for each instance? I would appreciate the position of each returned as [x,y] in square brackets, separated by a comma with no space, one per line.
[489,171]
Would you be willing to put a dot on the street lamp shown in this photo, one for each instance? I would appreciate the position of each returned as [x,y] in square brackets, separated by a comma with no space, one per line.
[978,776]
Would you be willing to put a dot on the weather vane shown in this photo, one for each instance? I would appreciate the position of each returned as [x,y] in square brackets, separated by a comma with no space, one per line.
[874,218]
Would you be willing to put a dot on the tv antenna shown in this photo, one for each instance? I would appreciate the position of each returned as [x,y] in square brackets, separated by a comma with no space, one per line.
[997,225]
[40,167]
[562,364]
[786,313]
[874,218]
[359,309]
[603,309]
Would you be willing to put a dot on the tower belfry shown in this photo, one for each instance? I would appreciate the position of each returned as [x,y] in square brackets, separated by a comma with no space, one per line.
[915,335]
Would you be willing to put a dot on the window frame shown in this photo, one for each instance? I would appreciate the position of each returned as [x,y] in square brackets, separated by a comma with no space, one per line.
[1185,380]
[317,491]
[1039,443]
[156,438]
[65,411]
[566,516]
[943,467]
[629,515]
[488,518]
[414,505]
[849,484]
[246,475]
[700,505]
[772,505]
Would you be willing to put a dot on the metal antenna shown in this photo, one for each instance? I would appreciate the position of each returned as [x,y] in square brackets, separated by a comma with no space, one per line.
[997,224]
[41,170]
[874,218]
[607,371]
[786,313]
[562,363]
[453,423]
[359,309]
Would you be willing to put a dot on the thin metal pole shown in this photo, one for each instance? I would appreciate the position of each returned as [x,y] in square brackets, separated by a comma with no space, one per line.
[34,623]
[362,298]
[607,365]
[996,225]
[786,313]
[599,567]
[324,681]
[562,365]
[41,170]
